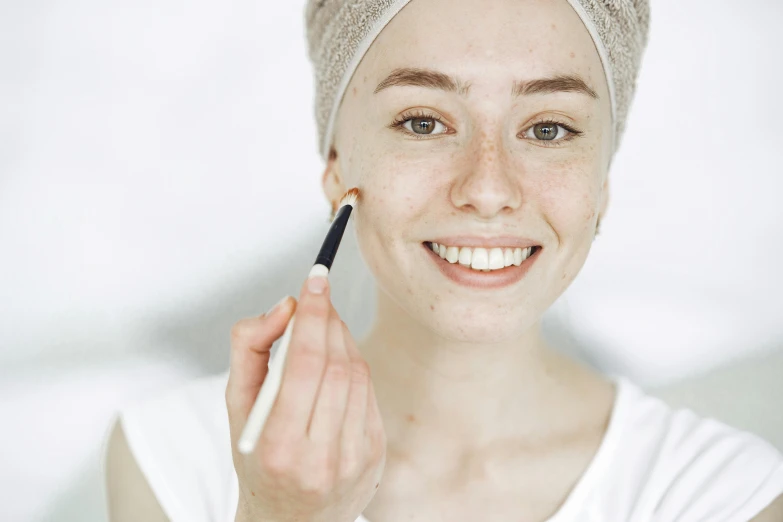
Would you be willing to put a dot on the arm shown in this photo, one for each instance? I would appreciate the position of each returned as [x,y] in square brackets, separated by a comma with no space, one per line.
[772,513]
[129,495]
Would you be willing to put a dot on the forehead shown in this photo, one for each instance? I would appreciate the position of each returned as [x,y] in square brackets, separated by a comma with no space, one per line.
[489,43]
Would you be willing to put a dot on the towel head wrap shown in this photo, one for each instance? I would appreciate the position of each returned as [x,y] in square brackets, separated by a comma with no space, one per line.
[339,33]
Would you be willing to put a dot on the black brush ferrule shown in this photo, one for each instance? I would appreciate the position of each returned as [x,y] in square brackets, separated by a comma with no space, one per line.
[329,248]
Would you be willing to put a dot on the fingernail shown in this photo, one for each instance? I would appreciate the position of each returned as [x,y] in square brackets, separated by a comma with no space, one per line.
[278,306]
[316,285]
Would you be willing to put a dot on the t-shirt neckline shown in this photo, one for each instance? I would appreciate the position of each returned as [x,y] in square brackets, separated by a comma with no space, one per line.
[574,502]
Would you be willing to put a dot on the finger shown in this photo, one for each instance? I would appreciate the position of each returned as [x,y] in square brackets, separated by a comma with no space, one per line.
[251,341]
[330,405]
[353,440]
[304,365]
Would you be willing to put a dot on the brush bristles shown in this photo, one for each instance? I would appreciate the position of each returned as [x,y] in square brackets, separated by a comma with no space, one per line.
[350,198]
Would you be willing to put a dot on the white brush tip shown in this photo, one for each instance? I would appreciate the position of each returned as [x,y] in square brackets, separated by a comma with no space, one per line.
[318,270]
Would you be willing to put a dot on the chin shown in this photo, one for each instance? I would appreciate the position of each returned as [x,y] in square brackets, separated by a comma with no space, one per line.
[479,323]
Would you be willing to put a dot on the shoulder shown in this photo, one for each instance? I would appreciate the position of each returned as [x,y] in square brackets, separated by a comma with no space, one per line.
[772,513]
[677,465]
[181,444]
[128,492]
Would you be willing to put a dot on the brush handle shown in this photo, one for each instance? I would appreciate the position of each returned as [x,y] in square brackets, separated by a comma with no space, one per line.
[332,242]
[266,396]
[271,385]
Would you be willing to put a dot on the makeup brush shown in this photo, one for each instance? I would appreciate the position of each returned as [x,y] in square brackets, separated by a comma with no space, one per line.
[271,385]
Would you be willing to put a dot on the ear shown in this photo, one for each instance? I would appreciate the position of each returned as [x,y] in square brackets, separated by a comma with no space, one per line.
[332,181]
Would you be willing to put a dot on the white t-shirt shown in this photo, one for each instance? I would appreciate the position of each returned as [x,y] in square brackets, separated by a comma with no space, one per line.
[654,464]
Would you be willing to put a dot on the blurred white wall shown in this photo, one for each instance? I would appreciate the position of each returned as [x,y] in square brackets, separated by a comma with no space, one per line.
[159,180]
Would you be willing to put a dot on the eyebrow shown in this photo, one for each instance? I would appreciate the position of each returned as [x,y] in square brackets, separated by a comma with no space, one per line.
[412,76]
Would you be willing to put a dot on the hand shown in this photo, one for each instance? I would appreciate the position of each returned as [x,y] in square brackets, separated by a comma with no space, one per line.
[323,448]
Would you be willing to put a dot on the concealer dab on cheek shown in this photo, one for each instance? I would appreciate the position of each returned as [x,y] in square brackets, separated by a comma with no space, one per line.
[351,197]
[352,194]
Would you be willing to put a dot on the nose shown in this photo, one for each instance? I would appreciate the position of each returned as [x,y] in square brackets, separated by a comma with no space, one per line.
[488,186]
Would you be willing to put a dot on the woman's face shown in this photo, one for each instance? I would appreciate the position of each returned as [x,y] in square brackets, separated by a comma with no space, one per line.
[503,142]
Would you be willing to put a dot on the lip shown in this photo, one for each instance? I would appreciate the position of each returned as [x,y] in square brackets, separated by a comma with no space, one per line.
[485,242]
[483,280]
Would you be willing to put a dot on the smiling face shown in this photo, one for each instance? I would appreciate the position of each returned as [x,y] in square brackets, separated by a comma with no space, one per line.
[481,124]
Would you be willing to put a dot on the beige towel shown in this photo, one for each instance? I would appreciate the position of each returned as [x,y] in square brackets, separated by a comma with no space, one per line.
[339,32]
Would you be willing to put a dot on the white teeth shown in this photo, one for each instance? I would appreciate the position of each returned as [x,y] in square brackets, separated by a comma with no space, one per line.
[464,256]
[496,259]
[480,259]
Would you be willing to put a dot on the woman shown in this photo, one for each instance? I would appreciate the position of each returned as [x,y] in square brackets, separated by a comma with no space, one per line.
[469,126]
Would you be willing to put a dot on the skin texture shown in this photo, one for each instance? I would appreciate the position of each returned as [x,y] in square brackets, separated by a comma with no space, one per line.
[481,178]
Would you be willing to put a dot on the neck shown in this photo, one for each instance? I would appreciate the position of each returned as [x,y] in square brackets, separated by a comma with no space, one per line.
[431,389]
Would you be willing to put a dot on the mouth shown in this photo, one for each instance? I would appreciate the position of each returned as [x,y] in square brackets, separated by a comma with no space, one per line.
[480,267]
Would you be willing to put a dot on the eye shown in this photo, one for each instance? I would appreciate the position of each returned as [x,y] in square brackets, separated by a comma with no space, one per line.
[420,125]
[547,131]
[550,133]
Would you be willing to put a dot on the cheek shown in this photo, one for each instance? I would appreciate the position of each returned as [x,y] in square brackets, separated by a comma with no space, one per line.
[381,216]
[569,197]
[402,203]
[398,191]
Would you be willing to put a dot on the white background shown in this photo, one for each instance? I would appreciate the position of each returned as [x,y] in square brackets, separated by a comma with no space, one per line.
[159,180]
